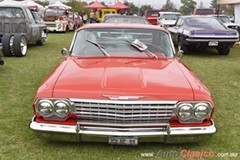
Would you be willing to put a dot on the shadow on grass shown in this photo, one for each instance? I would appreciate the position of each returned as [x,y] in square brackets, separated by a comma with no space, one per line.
[209,52]
[145,145]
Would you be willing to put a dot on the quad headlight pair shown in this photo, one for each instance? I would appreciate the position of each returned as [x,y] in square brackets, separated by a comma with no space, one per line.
[193,112]
[54,108]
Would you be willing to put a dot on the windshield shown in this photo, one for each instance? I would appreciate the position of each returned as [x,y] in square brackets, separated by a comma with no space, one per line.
[205,22]
[171,16]
[115,42]
[126,19]
[205,11]
[54,11]
[11,12]
[224,19]
[152,13]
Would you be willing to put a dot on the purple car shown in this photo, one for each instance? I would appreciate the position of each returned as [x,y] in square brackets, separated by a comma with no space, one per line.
[203,32]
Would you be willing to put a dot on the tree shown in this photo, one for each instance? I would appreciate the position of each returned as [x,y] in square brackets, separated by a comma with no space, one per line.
[187,7]
[132,6]
[77,6]
[169,6]
[145,7]
[214,4]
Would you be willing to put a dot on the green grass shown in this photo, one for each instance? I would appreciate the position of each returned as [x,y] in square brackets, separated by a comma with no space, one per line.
[21,77]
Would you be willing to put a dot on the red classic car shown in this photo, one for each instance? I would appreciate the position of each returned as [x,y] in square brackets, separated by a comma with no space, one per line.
[122,84]
[152,16]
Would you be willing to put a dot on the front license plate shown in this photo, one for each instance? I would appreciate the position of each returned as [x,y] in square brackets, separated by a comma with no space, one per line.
[213,43]
[123,140]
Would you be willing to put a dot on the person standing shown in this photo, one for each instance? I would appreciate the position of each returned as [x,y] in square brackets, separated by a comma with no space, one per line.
[84,17]
[91,15]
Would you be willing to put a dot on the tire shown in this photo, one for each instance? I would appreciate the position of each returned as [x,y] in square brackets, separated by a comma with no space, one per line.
[181,46]
[224,51]
[43,40]
[7,44]
[19,45]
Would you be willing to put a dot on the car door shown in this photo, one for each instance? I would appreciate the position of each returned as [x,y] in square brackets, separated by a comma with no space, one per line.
[34,27]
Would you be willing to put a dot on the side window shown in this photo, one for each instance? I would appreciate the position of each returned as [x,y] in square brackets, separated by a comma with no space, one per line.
[30,16]
[179,22]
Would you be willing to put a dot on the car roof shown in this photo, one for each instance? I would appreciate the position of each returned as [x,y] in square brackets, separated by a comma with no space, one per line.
[196,16]
[169,12]
[130,17]
[122,25]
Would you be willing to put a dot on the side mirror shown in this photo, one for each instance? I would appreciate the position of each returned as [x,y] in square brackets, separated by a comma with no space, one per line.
[64,52]
[179,54]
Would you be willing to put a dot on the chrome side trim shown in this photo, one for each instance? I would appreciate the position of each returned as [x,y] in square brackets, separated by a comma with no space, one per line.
[207,40]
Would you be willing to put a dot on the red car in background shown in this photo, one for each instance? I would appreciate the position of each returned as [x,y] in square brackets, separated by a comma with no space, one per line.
[78,22]
[152,16]
[204,11]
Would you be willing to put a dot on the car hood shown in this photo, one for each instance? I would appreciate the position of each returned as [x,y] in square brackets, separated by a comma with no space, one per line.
[232,24]
[93,78]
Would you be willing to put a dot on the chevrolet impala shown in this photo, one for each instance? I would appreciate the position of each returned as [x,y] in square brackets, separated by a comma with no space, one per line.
[122,84]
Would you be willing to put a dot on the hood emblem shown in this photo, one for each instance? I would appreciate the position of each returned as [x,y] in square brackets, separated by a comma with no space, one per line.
[123,98]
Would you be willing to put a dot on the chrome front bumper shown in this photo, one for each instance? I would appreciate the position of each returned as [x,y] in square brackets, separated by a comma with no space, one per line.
[80,133]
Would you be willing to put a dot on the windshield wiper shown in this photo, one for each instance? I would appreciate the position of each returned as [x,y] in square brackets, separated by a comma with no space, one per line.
[140,46]
[100,47]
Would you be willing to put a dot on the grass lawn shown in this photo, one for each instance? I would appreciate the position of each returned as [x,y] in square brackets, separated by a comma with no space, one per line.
[21,77]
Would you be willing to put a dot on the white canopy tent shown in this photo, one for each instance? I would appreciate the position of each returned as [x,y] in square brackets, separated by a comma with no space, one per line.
[32,4]
[59,4]
[29,3]
[10,2]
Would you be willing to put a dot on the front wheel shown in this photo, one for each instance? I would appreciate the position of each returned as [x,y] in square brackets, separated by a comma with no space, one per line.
[224,51]
[19,45]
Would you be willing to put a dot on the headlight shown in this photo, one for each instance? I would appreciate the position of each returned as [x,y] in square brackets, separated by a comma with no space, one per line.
[193,112]
[45,108]
[185,111]
[53,108]
[61,108]
[201,111]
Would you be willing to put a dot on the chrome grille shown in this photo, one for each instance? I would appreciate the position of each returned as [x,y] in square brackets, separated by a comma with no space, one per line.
[124,112]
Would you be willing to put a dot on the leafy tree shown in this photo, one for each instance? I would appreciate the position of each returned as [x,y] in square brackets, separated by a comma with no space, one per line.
[77,6]
[187,7]
[169,6]
[143,8]
[214,4]
[133,7]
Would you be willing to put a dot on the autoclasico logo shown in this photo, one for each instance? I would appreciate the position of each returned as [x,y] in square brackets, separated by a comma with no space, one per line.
[185,154]
[196,154]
